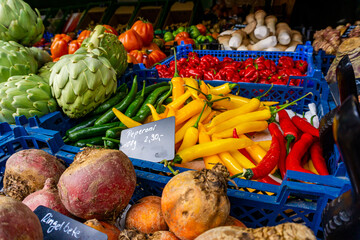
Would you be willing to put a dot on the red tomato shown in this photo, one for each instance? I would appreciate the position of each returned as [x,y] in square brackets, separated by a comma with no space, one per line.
[145,30]
[131,40]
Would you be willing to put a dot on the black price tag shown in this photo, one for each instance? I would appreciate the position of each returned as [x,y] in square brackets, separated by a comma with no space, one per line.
[152,142]
[58,226]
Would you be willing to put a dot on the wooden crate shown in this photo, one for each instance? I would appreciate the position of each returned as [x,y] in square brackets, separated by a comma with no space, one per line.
[180,13]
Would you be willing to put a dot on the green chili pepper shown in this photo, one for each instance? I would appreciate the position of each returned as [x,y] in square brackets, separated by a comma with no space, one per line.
[135,105]
[110,144]
[109,103]
[115,132]
[92,141]
[109,114]
[151,88]
[93,131]
[86,123]
[164,97]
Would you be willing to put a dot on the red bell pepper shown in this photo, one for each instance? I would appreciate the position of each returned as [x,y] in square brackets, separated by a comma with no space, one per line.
[195,73]
[209,75]
[301,65]
[286,62]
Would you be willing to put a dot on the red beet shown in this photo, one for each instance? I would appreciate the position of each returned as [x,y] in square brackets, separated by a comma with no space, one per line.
[17,221]
[98,184]
[27,170]
[48,197]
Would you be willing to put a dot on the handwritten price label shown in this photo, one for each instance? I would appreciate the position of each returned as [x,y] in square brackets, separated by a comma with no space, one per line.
[153,141]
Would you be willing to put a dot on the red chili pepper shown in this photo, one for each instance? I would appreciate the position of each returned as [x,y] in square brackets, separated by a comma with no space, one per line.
[305,126]
[293,160]
[269,180]
[219,76]
[231,66]
[194,61]
[195,73]
[204,65]
[282,142]
[227,60]
[248,63]
[285,62]
[267,164]
[265,73]
[290,131]
[192,54]
[209,75]
[318,159]
[270,65]
[301,65]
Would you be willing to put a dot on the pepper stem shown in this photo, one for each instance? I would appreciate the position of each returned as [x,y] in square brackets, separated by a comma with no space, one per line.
[196,125]
[247,174]
[176,74]
[168,165]
[208,96]
[290,104]
[66,139]
[312,120]
[143,90]
[110,139]
[289,139]
[261,96]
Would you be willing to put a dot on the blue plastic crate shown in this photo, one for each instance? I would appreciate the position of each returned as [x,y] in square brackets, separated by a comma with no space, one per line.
[303,52]
[323,61]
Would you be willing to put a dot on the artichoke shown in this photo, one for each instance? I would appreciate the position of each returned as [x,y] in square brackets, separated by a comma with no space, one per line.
[112,48]
[26,95]
[18,22]
[41,56]
[44,71]
[15,59]
[80,82]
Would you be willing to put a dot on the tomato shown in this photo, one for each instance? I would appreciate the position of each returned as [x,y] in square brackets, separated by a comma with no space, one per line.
[182,35]
[110,29]
[152,47]
[59,48]
[141,57]
[201,28]
[131,59]
[145,30]
[83,35]
[131,40]
[67,38]
[74,45]
[156,56]
[186,41]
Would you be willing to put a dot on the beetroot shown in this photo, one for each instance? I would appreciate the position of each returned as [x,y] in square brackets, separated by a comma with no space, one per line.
[27,170]
[17,221]
[98,184]
[48,197]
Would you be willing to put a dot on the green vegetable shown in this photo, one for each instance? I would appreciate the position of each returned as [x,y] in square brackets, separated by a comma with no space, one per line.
[194,32]
[91,141]
[115,132]
[89,132]
[119,95]
[151,88]
[135,105]
[168,36]
[111,145]
[109,114]
[86,123]
[210,38]
[201,39]
[163,98]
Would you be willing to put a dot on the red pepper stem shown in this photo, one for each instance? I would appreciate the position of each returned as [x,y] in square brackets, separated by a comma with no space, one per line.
[312,120]
[196,125]
[289,104]
[176,74]
[261,96]
[289,138]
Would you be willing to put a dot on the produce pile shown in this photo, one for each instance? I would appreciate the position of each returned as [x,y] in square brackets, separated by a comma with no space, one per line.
[258,70]
[204,214]
[195,35]
[262,33]
[141,45]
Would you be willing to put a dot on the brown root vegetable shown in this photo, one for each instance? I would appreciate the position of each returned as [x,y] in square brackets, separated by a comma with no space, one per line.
[283,231]
[48,197]
[132,235]
[17,221]
[163,235]
[146,216]
[27,170]
[226,233]
[98,184]
[193,202]
[231,221]
[110,230]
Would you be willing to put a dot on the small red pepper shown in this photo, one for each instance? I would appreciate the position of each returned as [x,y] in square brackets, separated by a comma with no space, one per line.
[290,131]
[209,75]
[267,164]
[248,63]
[270,65]
[305,126]
[195,73]
[301,65]
[293,160]
[318,159]
[269,180]
[280,137]
[192,54]
[285,62]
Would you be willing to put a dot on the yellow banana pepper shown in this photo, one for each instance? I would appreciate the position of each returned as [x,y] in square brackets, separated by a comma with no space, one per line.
[128,122]
[247,127]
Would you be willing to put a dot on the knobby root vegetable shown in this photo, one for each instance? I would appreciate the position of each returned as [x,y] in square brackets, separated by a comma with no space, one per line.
[110,230]
[132,235]
[48,197]
[146,216]
[98,184]
[270,22]
[163,235]
[27,170]
[283,231]
[17,221]
[263,44]
[193,202]
[283,33]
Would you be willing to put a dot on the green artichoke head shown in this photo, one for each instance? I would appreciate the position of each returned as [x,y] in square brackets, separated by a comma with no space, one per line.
[112,48]
[41,56]
[18,22]
[80,82]
[27,95]
[44,71]
[15,59]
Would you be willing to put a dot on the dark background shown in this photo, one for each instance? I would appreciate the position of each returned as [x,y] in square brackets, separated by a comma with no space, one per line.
[317,14]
